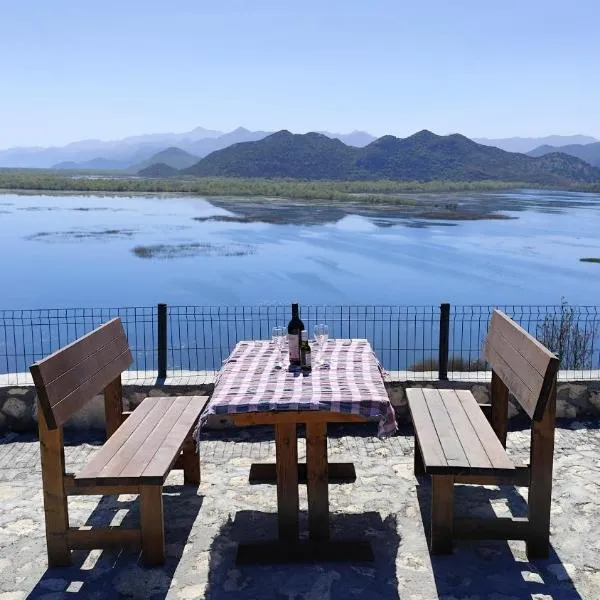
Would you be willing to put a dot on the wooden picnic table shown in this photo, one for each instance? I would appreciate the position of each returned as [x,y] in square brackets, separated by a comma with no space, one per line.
[251,390]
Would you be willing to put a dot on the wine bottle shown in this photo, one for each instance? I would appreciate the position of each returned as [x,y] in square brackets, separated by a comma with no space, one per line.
[295,327]
[305,353]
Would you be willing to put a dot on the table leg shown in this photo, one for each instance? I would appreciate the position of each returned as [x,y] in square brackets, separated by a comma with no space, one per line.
[317,481]
[286,447]
[319,547]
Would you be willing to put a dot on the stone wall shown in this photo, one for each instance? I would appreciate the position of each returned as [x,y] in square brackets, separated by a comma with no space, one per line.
[576,400]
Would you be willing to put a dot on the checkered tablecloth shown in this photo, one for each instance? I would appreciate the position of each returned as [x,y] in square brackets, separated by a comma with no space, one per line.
[351,382]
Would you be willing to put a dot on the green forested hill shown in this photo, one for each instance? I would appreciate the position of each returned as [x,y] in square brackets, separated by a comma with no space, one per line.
[173,157]
[423,156]
[159,171]
[282,154]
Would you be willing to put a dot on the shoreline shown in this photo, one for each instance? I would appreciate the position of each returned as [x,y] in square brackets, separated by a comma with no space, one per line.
[449,202]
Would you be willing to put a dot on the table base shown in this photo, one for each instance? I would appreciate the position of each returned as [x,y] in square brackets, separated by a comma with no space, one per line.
[278,552]
[267,473]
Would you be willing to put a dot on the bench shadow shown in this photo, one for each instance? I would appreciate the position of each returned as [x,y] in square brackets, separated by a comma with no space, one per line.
[120,573]
[94,437]
[484,568]
[294,581]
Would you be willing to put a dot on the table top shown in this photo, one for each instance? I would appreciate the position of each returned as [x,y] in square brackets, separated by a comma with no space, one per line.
[351,382]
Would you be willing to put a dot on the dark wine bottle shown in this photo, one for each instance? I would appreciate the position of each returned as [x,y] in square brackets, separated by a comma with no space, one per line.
[305,352]
[295,327]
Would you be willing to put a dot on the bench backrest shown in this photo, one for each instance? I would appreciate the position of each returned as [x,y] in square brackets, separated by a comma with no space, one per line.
[527,368]
[66,380]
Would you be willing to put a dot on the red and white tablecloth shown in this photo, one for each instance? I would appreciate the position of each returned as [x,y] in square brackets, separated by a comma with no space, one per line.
[351,382]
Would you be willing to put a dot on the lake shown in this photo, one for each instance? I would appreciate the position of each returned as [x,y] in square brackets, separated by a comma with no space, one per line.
[137,250]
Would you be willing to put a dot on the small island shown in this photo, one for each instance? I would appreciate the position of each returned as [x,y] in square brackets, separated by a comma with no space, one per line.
[592,260]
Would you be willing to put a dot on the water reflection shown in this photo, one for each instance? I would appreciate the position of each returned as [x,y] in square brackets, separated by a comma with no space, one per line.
[98,250]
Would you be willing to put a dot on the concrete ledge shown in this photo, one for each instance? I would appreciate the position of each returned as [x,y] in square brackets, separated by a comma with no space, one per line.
[578,397]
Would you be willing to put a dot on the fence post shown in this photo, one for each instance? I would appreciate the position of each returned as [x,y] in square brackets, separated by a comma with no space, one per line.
[162,341]
[444,341]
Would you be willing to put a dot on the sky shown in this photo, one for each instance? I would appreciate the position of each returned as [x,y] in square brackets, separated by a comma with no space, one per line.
[73,69]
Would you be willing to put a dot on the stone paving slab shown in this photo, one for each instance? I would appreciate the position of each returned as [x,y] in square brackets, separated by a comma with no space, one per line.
[386,504]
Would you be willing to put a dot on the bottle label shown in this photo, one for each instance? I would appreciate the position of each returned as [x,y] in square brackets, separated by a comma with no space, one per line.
[307,362]
[294,347]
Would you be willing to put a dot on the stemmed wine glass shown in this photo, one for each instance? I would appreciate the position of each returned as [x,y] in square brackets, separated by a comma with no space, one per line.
[321,332]
[278,336]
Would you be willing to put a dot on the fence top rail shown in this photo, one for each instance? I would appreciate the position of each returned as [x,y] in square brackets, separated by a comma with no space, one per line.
[153,307]
[80,310]
[102,310]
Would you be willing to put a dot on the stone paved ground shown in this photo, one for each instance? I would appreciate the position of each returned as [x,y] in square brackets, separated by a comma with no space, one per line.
[386,505]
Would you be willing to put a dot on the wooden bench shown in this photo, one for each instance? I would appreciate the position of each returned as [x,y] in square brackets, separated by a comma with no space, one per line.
[456,443]
[142,447]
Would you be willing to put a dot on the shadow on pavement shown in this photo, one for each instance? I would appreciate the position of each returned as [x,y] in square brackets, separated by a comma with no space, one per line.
[120,573]
[490,568]
[368,580]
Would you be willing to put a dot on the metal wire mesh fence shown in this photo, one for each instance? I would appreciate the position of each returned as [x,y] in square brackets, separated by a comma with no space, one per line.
[572,332]
[29,335]
[200,337]
[418,342]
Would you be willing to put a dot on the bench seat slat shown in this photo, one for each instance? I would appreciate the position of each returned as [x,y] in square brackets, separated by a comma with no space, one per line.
[100,459]
[166,455]
[134,441]
[451,444]
[121,437]
[429,443]
[138,462]
[493,448]
[145,446]
[466,434]
[446,419]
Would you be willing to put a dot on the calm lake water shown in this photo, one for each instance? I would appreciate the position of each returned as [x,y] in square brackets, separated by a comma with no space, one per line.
[123,250]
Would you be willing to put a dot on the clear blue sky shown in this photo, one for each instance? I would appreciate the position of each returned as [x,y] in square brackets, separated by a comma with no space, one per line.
[77,69]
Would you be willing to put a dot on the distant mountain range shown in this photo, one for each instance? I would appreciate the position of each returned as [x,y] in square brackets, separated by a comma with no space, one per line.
[129,152]
[423,156]
[525,145]
[323,155]
[95,164]
[588,152]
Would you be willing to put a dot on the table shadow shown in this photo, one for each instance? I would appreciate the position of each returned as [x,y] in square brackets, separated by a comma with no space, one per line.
[365,580]
[484,568]
[120,573]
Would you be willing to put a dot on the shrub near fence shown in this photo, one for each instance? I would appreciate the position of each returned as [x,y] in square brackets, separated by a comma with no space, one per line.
[171,340]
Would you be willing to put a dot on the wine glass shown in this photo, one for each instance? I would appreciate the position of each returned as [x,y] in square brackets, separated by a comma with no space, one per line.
[277,336]
[321,335]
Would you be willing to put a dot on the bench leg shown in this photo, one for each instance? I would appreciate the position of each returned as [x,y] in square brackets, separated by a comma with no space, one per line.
[499,416]
[442,513]
[56,510]
[191,462]
[540,485]
[153,527]
[419,467]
